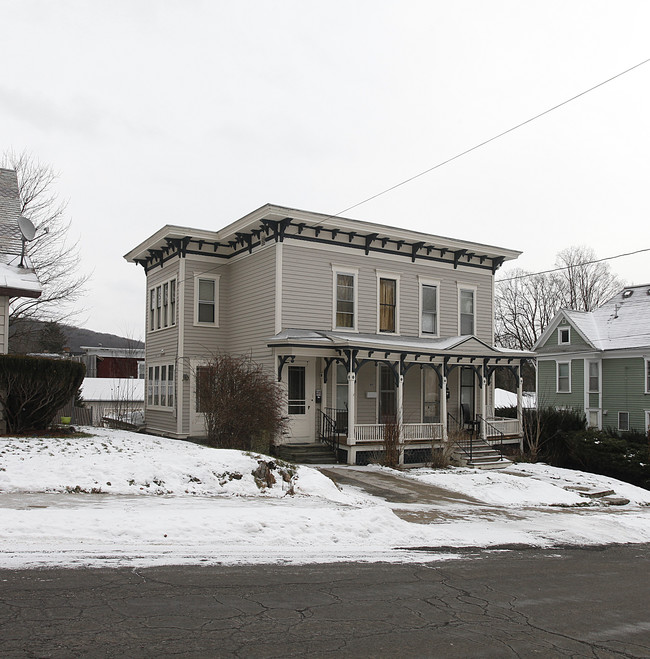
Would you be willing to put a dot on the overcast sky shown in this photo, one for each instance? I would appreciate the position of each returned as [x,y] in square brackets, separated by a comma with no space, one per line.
[195,113]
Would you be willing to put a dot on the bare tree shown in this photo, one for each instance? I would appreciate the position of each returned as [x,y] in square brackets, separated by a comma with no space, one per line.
[525,303]
[53,255]
[587,284]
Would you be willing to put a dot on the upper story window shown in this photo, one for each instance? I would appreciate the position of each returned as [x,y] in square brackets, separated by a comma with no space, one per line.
[429,307]
[162,305]
[594,377]
[467,308]
[206,300]
[563,377]
[388,302]
[563,336]
[345,299]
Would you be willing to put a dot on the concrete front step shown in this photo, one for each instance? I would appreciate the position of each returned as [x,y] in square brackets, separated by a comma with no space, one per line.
[306,453]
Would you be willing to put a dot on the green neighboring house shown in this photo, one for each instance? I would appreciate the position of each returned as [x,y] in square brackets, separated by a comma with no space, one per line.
[598,362]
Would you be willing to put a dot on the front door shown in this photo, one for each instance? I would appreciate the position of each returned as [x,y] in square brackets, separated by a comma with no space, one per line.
[300,400]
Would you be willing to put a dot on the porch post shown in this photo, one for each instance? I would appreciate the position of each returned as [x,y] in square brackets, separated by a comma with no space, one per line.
[520,415]
[443,408]
[483,427]
[352,397]
[400,413]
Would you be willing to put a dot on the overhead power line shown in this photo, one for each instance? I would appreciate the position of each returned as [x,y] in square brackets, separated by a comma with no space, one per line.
[491,139]
[575,265]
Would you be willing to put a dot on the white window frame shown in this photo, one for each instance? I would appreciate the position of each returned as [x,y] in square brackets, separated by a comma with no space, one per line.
[646,375]
[214,278]
[162,312]
[557,377]
[566,329]
[423,281]
[473,289]
[627,415]
[157,387]
[595,411]
[396,278]
[589,376]
[354,273]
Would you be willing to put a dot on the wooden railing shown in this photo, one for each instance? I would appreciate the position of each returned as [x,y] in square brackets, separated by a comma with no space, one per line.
[374,432]
[502,426]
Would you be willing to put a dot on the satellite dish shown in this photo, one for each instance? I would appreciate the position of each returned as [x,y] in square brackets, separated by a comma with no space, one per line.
[28,232]
[26,228]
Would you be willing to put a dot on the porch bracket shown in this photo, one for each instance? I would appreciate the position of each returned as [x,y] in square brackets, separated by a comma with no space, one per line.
[457,256]
[283,360]
[436,368]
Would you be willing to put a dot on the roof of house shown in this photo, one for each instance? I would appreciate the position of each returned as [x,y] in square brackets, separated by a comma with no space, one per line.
[15,281]
[247,232]
[623,322]
[453,345]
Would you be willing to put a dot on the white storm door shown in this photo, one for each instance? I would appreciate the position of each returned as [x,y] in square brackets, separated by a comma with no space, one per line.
[300,400]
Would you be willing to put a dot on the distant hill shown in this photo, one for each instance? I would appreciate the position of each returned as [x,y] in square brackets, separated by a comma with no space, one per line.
[28,336]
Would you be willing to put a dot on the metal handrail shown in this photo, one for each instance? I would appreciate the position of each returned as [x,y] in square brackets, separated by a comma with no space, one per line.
[328,432]
[498,432]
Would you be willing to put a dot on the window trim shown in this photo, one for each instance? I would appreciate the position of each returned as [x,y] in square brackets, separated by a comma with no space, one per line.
[162,311]
[354,273]
[473,289]
[422,282]
[627,414]
[557,377]
[155,385]
[567,329]
[197,279]
[392,277]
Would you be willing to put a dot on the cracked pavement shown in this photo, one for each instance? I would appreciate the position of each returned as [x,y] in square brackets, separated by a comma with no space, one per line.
[578,602]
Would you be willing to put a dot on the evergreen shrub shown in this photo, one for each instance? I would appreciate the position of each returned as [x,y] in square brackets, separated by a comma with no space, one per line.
[32,389]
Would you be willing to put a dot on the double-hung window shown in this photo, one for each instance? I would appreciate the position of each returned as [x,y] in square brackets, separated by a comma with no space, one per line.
[388,303]
[206,296]
[345,298]
[467,310]
[564,377]
[624,421]
[429,307]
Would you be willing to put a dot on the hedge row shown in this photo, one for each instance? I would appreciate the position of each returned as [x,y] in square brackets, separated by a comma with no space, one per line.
[32,389]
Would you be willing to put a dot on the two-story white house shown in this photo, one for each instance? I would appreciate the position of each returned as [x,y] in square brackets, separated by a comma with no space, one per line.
[361,322]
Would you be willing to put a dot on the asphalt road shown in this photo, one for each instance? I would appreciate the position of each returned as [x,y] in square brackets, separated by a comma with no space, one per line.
[578,602]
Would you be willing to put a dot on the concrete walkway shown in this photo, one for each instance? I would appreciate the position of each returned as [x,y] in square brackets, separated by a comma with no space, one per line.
[413,500]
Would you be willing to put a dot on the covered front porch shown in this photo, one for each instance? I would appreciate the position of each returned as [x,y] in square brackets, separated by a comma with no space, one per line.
[355,391]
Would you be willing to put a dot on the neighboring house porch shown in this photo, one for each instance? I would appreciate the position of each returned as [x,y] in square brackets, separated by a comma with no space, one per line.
[348,390]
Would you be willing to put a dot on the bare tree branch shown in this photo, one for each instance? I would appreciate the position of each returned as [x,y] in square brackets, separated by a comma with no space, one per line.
[54,257]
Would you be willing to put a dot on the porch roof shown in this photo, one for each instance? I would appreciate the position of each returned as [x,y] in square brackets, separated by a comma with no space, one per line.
[467,346]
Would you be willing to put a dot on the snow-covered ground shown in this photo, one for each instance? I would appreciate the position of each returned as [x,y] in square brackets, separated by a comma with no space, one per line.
[119,498]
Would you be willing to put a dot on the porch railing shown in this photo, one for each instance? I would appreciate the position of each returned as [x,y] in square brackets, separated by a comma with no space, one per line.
[503,426]
[374,432]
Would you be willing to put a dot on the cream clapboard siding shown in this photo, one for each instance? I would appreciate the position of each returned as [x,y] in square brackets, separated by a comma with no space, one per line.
[249,305]
[308,298]
[161,347]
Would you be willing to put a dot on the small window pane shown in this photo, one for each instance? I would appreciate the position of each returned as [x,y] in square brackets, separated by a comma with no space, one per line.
[296,389]
[623,421]
[563,377]
[593,377]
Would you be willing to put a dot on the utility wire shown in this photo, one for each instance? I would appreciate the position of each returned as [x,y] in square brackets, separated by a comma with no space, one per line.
[575,265]
[474,148]
[491,139]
